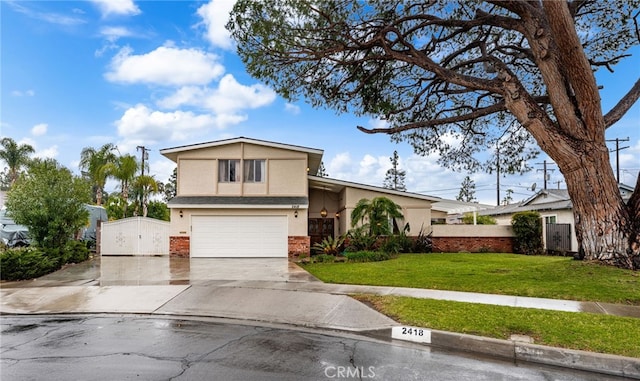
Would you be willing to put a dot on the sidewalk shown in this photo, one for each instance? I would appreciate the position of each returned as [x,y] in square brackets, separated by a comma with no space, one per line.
[287,295]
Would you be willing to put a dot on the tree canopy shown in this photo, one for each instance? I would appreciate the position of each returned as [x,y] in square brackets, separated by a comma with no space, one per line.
[463,79]
[394,178]
[49,200]
[15,156]
[379,214]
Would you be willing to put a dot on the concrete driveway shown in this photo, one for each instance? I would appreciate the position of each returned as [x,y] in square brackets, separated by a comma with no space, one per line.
[152,270]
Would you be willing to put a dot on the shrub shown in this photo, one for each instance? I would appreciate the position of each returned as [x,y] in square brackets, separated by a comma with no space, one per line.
[25,263]
[359,239]
[527,227]
[76,252]
[33,262]
[423,243]
[467,219]
[398,243]
[368,256]
[329,245]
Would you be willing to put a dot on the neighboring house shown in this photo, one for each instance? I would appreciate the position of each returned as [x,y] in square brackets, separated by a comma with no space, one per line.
[243,197]
[451,212]
[555,207]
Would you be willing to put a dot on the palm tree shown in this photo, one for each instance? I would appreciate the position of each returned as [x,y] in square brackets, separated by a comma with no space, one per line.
[95,165]
[124,169]
[376,213]
[16,156]
[144,186]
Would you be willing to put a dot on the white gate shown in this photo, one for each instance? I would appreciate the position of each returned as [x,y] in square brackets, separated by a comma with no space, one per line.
[135,236]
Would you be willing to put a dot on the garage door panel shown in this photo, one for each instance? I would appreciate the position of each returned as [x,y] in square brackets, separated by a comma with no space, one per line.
[239,236]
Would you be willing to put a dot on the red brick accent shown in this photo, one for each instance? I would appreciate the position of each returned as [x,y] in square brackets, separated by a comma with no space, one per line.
[179,246]
[472,244]
[299,245]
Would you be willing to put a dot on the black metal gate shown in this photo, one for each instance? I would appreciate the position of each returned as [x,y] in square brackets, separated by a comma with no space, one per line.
[558,237]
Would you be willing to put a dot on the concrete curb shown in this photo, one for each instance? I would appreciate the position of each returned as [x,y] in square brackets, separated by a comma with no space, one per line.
[525,352]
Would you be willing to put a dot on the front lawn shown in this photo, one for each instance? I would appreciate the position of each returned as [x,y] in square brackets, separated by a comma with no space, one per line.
[584,331]
[507,274]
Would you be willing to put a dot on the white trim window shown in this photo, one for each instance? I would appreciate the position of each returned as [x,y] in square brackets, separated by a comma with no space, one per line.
[229,171]
[254,171]
[550,219]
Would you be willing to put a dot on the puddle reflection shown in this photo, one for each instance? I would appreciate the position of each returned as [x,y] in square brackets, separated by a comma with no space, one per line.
[164,270]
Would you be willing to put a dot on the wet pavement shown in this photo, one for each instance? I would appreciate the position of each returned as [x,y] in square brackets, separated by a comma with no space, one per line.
[276,291]
[267,274]
[159,348]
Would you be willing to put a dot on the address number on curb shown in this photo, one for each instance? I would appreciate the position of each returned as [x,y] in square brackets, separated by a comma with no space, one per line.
[416,334]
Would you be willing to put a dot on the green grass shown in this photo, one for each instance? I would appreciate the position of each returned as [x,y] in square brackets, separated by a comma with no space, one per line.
[584,331]
[508,274]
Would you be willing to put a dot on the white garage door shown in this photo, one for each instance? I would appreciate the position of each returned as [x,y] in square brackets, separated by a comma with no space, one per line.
[239,236]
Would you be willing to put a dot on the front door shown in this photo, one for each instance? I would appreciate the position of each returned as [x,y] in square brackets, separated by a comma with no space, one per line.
[319,229]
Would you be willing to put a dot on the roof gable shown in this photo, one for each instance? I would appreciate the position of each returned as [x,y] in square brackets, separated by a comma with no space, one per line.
[315,155]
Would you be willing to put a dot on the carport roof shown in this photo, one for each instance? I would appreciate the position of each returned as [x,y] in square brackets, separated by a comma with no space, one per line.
[233,202]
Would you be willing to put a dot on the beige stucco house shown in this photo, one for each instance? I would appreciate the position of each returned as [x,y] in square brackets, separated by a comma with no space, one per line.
[244,197]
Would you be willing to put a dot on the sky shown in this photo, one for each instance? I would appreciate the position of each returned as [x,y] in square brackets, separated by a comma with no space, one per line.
[163,74]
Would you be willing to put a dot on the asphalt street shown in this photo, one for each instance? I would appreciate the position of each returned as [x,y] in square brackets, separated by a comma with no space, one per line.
[134,347]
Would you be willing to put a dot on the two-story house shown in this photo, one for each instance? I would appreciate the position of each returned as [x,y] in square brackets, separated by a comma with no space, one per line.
[243,197]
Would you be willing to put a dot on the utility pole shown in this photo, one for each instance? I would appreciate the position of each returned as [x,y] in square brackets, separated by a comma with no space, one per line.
[544,169]
[145,155]
[498,175]
[618,149]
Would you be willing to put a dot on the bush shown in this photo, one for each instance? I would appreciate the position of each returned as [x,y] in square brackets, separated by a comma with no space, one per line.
[527,227]
[398,243]
[423,243]
[25,263]
[359,239]
[368,256]
[467,219]
[76,252]
[329,245]
[33,262]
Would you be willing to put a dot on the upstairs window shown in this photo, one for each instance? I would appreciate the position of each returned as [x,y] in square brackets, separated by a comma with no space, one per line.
[229,171]
[254,171]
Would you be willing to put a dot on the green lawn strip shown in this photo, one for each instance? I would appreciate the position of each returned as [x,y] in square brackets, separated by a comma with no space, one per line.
[506,274]
[583,331]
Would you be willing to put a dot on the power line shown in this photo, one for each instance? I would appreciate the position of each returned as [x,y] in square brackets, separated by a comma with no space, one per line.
[618,149]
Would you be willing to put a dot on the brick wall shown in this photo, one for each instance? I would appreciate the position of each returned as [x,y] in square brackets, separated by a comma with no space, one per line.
[299,245]
[473,244]
[179,246]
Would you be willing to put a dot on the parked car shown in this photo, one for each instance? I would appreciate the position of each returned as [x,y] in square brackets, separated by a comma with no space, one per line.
[12,234]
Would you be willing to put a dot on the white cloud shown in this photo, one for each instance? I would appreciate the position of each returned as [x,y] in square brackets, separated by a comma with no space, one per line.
[166,66]
[117,7]
[226,101]
[140,124]
[39,129]
[369,170]
[292,109]
[378,123]
[50,17]
[48,153]
[113,33]
[20,93]
[215,15]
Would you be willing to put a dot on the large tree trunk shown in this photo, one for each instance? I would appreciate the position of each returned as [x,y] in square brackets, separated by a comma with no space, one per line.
[602,221]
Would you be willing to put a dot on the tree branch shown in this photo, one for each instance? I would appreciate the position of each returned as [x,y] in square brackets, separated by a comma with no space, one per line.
[500,106]
[623,105]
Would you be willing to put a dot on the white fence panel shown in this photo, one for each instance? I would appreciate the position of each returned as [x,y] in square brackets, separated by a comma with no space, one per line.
[135,236]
